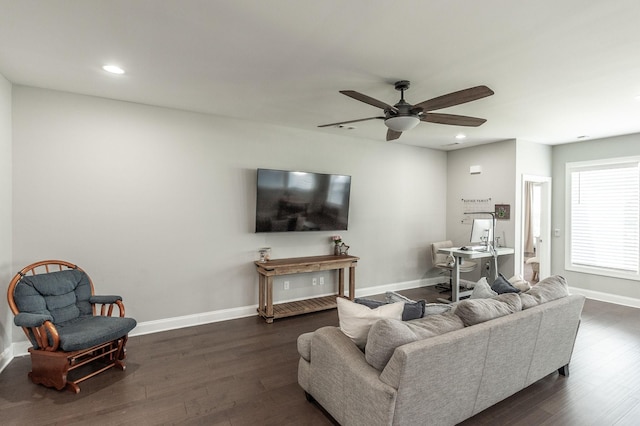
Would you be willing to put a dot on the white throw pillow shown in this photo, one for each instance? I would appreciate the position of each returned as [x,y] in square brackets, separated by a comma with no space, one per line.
[518,282]
[356,320]
[482,290]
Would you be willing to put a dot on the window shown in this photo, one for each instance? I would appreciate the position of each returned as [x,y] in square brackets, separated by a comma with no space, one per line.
[603,213]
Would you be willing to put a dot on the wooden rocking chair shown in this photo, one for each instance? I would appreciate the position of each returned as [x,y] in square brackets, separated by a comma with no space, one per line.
[54,303]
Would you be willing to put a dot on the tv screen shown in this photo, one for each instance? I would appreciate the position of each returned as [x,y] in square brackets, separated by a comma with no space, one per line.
[301,201]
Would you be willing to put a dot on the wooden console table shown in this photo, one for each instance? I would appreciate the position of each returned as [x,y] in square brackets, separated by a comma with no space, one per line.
[296,265]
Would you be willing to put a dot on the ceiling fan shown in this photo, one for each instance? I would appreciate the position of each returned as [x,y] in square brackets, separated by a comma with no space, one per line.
[403,116]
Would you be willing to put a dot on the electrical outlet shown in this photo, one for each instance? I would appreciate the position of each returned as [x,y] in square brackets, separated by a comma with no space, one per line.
[321,280]
[286,285]
[314,281]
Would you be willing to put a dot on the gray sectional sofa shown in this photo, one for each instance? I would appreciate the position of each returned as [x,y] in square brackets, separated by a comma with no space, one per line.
[409,373]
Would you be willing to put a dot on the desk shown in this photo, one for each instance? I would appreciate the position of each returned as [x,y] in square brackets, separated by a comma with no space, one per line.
[467,254]
[296,265]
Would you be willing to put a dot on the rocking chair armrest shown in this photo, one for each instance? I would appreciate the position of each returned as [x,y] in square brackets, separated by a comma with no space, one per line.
[25,319]
[104,299]
[40,330]
[110,301]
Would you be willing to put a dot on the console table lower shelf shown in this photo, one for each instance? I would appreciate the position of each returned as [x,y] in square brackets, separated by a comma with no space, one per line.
[299,307]
[267,270]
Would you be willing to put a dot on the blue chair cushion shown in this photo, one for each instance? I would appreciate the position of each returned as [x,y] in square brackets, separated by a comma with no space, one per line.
[87,331]
[63,294]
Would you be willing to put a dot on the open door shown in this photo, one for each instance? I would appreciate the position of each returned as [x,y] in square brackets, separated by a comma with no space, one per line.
[536,228]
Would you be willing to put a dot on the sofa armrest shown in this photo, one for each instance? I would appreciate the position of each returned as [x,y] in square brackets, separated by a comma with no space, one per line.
[344,383]
[304,346]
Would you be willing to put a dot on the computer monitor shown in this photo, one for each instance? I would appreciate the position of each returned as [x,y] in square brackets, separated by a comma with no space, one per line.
[481,231]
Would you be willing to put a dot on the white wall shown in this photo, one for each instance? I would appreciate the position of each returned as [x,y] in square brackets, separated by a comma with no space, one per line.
[620,146]
[498,162]
[158,204]
[5,216]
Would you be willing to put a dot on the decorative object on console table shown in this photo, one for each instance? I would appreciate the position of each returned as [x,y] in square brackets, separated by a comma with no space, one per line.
[265,254]
[337,240]
[344,249]
[276,267]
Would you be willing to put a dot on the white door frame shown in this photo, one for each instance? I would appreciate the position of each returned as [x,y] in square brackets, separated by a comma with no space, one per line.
[543,251]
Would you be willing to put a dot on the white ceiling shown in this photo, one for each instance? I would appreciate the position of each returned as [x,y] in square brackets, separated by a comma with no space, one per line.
[560,69]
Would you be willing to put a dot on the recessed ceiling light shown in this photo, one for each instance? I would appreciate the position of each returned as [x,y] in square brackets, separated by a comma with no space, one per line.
[461,136]
[583,137]
[113,69]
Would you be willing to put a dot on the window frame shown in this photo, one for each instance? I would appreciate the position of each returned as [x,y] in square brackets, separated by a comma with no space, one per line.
[571,167]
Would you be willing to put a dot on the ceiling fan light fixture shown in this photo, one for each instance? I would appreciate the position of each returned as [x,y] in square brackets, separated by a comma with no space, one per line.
[402,123]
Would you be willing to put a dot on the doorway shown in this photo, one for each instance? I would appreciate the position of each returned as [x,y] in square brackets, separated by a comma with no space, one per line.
[535,228]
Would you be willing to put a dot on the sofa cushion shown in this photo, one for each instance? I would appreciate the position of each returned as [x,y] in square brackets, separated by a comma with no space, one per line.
[355,319]
[550,288]
[429,308]
[528,301]
[411,310]
[502,285]
[475,311]
[386,335]
[482,290]
[436,324]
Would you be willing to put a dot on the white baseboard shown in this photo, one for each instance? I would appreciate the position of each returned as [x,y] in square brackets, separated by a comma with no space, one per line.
[167,324]
[606,297]
[5,357]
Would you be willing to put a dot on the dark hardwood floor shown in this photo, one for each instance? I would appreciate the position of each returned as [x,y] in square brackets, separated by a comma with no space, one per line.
[244,372]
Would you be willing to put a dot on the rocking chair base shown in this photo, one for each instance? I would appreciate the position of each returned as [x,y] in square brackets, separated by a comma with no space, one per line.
[51,369]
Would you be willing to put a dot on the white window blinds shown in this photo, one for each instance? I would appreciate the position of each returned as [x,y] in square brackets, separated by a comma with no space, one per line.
[605,217]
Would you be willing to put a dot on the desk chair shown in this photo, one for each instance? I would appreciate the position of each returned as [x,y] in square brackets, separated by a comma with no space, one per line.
[440,261]
[535,267]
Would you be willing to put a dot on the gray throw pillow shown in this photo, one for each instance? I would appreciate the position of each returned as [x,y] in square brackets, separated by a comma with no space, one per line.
[386,335]
[482,290]
[436,308]
[502,285]
[475,311]
[412,310]
[550,288]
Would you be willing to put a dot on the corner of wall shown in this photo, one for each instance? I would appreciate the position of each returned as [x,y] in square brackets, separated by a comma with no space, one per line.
[6,208]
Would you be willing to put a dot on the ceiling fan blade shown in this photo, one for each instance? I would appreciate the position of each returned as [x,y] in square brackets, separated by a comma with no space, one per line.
[455,98]
[452,119]
[368,100]
[350,121]
[392,135]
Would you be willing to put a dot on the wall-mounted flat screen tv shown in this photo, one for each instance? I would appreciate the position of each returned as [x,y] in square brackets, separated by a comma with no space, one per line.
[301,201]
